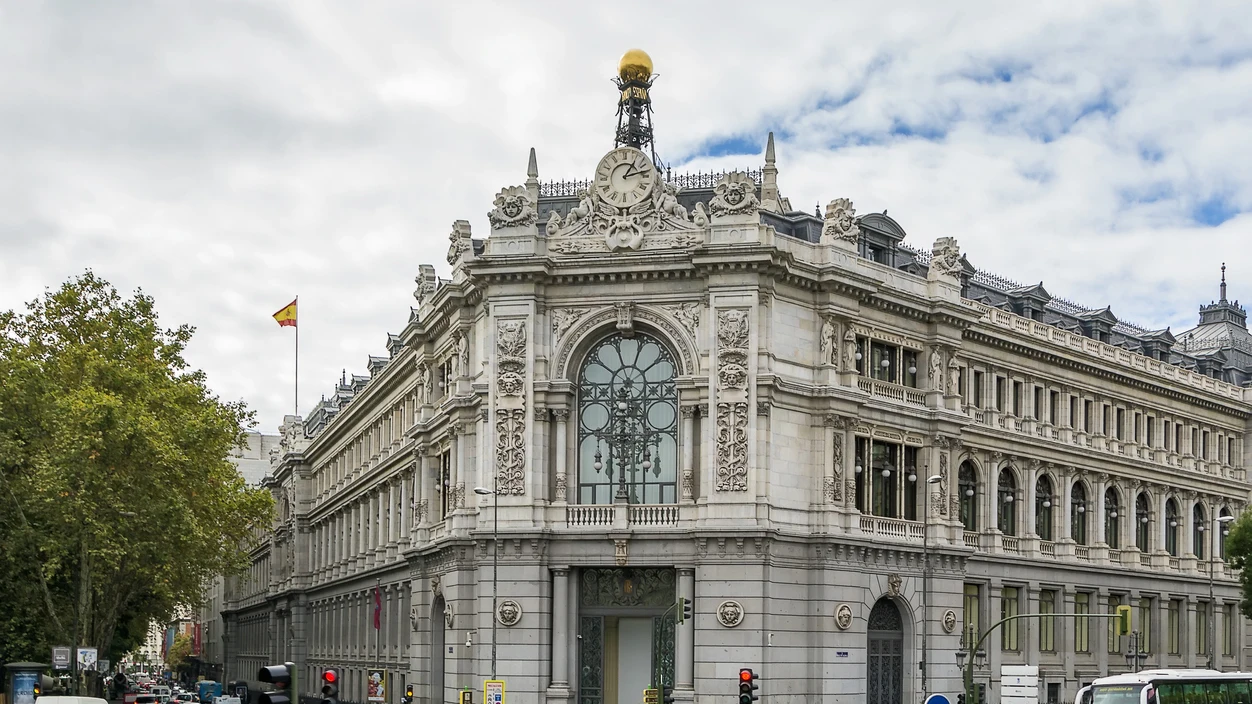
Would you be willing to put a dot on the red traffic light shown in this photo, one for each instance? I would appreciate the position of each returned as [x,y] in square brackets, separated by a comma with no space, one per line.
[745,675]
[329,676]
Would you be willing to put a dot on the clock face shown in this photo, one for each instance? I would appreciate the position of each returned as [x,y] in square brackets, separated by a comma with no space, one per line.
[624,177]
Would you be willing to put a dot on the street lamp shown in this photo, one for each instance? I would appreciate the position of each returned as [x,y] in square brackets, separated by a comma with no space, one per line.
[1136,656]
[495,565]
[926,581]
[1219,523]
[630,439]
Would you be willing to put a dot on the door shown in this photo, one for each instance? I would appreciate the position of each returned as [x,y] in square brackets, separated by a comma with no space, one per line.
[634,658]
[885,648]
[436,652]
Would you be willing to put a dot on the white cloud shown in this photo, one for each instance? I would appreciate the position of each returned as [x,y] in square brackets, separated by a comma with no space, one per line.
[226,157]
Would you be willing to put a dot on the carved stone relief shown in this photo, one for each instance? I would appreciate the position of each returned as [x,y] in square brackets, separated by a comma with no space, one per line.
[843,617]
[565,318]
[597,225]
[735,194]
[828,353]
[936,368]
[730,613]
[686,313]
[732,406]
[509,613]
[460,240]
[836,468]
[513,209]
[840,223]
[893,584]
[945,259]
[511,345]
[949,621]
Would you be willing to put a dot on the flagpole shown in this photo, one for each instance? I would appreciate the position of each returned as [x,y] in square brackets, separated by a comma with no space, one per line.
[297,391]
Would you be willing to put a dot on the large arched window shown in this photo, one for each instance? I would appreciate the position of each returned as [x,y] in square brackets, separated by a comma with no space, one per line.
[1006,495]
[628,422]
[967,484]
[1078,513]
[1112,519]
[1143,519]
[1171,527]
[1198,523]
[1043,508]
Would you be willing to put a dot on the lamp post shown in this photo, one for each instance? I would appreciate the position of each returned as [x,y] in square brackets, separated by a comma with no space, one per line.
[495,564]
[630,439]
[968,657]
[1136,656]
[926,583]
[1219,524]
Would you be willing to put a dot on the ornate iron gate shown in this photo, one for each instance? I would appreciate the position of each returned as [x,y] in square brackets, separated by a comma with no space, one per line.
[885,671]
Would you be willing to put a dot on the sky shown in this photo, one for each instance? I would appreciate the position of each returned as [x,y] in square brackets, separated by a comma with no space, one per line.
[226,157]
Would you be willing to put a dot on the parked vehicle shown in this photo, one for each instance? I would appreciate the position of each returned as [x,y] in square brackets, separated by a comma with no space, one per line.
[162,694]
[1169,687]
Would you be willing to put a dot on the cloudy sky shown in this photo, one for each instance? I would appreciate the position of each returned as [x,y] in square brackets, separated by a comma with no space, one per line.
[227,156]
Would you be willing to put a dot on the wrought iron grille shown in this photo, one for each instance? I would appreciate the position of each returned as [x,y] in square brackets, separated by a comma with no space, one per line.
[627,423]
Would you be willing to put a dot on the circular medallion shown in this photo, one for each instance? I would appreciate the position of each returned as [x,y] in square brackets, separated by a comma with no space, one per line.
[730,613]
[624,177]
[509,613]
[949,621]
[843,617]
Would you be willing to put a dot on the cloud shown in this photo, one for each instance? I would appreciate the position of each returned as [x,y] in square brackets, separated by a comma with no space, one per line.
[229,156]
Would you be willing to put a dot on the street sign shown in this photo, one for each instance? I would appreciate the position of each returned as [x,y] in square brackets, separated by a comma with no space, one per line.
[493,692]
[1019,684]
[651,695]
[61,658]
[937,699]
[86,658]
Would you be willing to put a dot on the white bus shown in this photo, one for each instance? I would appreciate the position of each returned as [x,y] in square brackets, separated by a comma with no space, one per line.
[1170,687]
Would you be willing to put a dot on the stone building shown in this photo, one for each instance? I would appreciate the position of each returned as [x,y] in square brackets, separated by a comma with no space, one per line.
[675,386]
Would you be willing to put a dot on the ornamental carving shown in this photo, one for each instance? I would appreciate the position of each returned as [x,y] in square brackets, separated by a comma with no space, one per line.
[511,407]
[686,313]
[849,350]
[597,225]
[509,613]
[415,618]
[423,384]
[945,259]
[564,318]
[732,349]
[837,468]
[936,368]
[735,194]
[730,613]
[828,343]
[843,617]
[513,209]
[448,616]
[731,415]
[893,584]
[427,282]
[840,223]
[422,508]
[699,218]
[460,239]
[954,376]
[949,621]
[940,500]
[732,446]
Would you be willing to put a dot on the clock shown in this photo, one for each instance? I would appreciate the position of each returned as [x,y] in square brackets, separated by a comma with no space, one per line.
[625,177]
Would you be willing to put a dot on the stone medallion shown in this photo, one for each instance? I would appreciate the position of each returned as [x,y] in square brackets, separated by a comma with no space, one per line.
[730,613]
[843,617]
[949,621]
[509,613]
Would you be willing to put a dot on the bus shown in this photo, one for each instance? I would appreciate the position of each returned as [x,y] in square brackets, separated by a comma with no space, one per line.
[1170,687]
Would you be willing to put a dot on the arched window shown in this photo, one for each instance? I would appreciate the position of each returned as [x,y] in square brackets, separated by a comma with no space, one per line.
[1171,527]
[967,484]
[1078,514]
[1143,517]
[1043,508]
[1006,494]
[1112,519]
[628,422]
[1198,524]
[1223,521]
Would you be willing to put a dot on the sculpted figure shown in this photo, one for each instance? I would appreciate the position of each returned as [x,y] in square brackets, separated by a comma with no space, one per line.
[936,369]
[582,210]
[849,350]
[828,342]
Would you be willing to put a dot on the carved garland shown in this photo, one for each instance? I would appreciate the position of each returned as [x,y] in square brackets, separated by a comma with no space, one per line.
[511,407]
[732,405]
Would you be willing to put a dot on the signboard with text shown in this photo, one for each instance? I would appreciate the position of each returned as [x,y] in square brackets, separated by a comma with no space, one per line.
[493,692]
[61,658]
[376,686]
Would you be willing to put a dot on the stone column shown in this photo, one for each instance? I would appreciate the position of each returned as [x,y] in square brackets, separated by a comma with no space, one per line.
[684,634]
[1186,523]
[1067,628]
[1186,635]
[1031,628]
[562,452]
[560,628]
[404,525]
[454,440]
[1101,646]
[688,457]
[1098,485]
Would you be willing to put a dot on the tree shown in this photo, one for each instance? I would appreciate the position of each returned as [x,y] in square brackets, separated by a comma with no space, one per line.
[1239,554]
[118,500]
[176,658]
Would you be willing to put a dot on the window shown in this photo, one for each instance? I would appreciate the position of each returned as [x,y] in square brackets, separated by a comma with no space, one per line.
[1106,417]
[909,370]
[977,394]
[1229,619]
[1006,492]
[1136,434]
[1142,521]
[967,484]
[1165,434]
[1043,508]
[885,487]
[1171,527]
[1202,628]
[1171,627]
[1151,427]
[1145,624]
[445,483]
[1054,404]
[1204,445]
[860,355]
[1198,524]
[1008,608]
[884,361]
[628,422]
[1073,411]
[1000,394]
[1082,626]
[1078,514]
[444,378]
[1114,634]
[1118,429]
[1086,416]
[1177,437]
[1038,402]
[971,608]
[1017,399]
[1230,452]
[1047,626]
[1112,519]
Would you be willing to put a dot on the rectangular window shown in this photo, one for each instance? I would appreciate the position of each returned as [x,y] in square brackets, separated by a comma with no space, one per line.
[1138,418]
[884,362]
[961,374]
[1171,627]
[1082,626]
[1038,403]
[1195,440]
[971,608]
[1086,416]
[1204,445]
[977,389]
[908,371]
[1008,608]
[1230,453]
[445,483]
[1202,628]
[1229,619]
[1073,411]
[1106,419]
[1047,626]
[1017,399]
[861,354]
[1114,634]
[1119,429]
[1000,394]
[1151,429]
[1054,404]
[1145,624]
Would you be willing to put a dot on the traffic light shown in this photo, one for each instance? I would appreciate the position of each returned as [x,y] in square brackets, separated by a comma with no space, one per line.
[667,694]
[1123,620]
[408,695]
[747,686]
[330,686]
[960,698]
[281,677]
[982,693]
[684,609]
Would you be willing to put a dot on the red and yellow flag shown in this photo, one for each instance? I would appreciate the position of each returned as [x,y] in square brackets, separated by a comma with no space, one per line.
[287,316]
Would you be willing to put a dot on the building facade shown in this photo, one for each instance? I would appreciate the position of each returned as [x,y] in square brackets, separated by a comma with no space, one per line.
[847,452]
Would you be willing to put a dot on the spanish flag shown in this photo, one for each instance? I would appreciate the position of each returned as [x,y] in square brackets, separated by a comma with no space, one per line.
[287,316]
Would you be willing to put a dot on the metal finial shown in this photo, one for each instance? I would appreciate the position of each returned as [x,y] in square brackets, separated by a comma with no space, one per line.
[1223,282]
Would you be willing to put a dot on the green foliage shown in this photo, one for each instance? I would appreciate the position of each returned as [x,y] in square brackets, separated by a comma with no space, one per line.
[176,658]
[118,500]
[1239,554]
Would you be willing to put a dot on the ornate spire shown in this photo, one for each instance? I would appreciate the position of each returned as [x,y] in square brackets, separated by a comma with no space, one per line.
[1223,297]
[769,180]
[769,151]
[532,178]
[634,103]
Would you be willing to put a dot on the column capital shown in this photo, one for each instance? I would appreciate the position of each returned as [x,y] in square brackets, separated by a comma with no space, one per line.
[560,414]
[686,571]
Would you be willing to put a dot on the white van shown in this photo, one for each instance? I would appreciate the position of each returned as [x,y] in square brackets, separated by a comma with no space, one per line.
[161,693]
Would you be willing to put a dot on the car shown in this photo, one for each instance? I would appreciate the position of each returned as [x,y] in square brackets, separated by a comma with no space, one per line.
[58,699]
[184,697]
[146,699]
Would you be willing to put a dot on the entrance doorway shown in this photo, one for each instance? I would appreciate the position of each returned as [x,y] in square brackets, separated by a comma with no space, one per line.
[885,669]
[436,651]
[626,638]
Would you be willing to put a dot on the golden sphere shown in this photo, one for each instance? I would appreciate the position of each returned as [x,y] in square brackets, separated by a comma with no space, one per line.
[635,65]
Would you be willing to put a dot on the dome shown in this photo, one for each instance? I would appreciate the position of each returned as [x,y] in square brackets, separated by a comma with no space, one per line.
[635,65]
